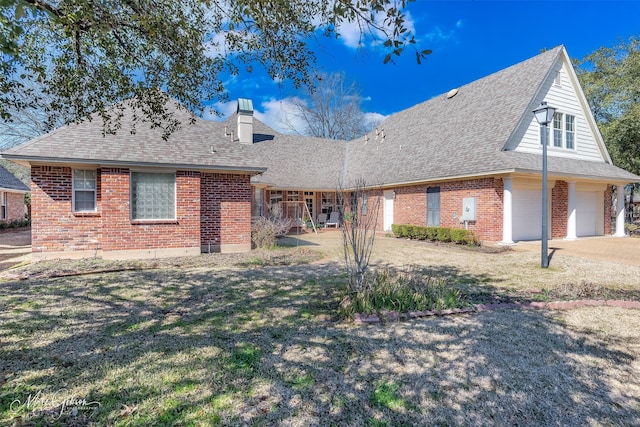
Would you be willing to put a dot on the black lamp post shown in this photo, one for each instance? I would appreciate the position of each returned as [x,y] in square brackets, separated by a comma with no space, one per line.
[544,116]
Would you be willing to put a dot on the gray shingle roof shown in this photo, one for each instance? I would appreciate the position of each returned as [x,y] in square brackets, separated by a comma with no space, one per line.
[9,182]
[202,145]
[464,135]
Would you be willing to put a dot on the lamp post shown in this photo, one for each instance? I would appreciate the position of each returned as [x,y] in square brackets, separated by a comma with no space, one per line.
[544,115]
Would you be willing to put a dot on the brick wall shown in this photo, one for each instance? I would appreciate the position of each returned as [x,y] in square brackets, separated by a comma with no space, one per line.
[16,208]
[54,227]
[226,209]
[608,211]
[410,206]
[121,233]
[559,209]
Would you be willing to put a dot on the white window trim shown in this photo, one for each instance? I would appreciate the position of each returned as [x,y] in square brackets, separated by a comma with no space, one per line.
[73,192]
[175,195]
[3,205]
[551,133]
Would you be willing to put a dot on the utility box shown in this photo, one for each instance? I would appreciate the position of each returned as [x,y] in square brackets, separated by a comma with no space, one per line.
[468,209]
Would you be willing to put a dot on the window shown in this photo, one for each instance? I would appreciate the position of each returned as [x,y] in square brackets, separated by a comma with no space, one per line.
[433,207]
[365,203]
[570,131]
[557,130]
[153,196]
[328,202]
[564,131]
[3,205]
[84,190]
[275,197]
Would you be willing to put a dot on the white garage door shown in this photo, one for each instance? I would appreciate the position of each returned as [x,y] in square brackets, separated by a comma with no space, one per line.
[527,214]
[586,213]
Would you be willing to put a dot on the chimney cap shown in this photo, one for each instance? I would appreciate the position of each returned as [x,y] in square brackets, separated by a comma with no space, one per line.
[245,106]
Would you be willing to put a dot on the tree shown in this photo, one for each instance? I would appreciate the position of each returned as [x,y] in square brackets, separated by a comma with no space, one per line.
[333,109]
[360,207]
[610,77]
[88,55]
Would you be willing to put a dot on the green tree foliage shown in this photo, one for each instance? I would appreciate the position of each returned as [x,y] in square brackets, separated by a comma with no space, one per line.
[610,77]
[87,55]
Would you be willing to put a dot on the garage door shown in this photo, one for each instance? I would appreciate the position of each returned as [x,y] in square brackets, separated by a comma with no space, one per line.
[586,213]
[527,214]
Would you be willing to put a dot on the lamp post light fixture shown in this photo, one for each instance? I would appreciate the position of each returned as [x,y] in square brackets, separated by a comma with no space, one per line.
[544,115]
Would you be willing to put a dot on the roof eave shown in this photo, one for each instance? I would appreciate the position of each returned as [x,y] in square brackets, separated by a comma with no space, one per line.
[29,160]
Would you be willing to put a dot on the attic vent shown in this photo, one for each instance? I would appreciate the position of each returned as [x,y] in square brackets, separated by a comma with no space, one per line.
[452,93]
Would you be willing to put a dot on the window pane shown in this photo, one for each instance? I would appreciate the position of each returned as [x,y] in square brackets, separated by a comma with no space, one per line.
[570,127]
[84,190]
[557,130]
[152,195]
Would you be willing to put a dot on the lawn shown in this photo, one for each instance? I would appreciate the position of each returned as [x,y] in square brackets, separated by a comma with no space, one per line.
[254,340]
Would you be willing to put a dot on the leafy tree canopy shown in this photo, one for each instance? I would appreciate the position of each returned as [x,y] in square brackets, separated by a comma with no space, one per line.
[610,77]
[72,58]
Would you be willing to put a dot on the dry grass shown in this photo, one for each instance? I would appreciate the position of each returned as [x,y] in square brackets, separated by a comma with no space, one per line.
[253,340]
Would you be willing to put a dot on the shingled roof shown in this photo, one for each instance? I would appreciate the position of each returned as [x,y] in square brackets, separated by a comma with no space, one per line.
[464,135]
[202,145]
[8,181]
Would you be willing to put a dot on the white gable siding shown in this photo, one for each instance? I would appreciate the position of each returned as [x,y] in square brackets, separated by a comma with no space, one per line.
[566,100]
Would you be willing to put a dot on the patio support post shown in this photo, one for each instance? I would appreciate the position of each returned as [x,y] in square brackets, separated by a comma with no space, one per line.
[507,212]
[620,199]
[572,224]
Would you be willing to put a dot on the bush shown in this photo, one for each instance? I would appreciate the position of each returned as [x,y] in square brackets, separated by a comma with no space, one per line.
[458,235]
[16,223]
[444,234]
[421,233]
[432,233]
[402,292]
[267,228]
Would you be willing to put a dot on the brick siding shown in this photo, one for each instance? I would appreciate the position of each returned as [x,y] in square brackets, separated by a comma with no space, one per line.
[16,208]
[410,206]
[225,200]
[54,227]
[608,210]
[226,209]
[559,209]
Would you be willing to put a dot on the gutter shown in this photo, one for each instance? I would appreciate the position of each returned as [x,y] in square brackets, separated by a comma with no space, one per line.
[215,168]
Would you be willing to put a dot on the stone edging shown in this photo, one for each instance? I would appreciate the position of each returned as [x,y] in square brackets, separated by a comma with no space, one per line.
[394,316]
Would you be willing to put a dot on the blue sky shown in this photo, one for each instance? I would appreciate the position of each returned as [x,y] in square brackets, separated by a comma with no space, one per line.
[469,39]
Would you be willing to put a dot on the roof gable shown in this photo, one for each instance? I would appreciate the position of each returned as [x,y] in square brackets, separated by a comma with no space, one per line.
[561,89]
[449,137]
[9,182]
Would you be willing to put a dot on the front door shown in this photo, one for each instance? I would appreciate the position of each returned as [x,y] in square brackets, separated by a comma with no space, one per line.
[388,209]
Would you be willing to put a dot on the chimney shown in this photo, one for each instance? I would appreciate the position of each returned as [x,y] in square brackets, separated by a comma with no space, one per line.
[245,121]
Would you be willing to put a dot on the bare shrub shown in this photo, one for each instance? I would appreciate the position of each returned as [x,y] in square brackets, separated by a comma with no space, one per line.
[584,290]
[271,225]
[359,219]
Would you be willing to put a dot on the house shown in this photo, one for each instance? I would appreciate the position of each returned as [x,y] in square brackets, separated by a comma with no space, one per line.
[469,158]
[12,191]
[472,158]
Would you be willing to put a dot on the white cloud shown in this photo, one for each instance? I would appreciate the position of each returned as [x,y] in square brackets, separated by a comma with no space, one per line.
[225,108]
[279,114]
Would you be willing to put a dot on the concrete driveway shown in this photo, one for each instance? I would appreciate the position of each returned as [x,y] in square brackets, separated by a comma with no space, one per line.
[621,250]
[15,247]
